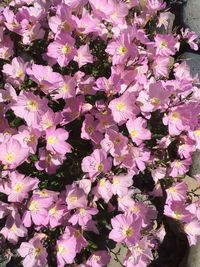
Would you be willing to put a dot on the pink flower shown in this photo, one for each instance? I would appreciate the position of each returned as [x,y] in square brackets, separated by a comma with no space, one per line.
[75,198]
[140,254]
[192,229]
[50,119]
[83,56]
[179,167]
[29,107]
[66,88]
[177,211]
[96,163]
[45,77]
[122,49]
[177,192]
[19,186]
[82,216]
[66,251]
[15,72]
[88,130]
[103,190]
[123,107]
[62,49]
[126,228]
[49,161]
[12,154]
[165,44]
[121,183]
[99,258]
[62,21]
[55,214]
[13,228]
[37,211]
[33,252]
[114,142]
[137,130]
[28,138]
[56,141]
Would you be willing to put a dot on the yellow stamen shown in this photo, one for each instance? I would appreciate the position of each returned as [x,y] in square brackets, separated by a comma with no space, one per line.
[32,105]
[120,106]
[10,157]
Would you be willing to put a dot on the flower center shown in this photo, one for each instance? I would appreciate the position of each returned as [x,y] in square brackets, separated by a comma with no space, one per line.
[155,101]
[32,105]
[66,49]
[134,133]
[9,157]
[18,188]
[51,140]
[122,50]
[127,231]
[120,106]
[34,206]
[100,167]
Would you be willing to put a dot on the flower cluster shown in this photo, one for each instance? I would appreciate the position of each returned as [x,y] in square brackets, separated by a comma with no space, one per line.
[98,126]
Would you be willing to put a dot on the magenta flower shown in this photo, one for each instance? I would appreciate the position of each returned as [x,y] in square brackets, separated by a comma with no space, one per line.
[12,154]
[126,228]
[96,163]
[56,141]
[33,252]
[99,258]
[62,49]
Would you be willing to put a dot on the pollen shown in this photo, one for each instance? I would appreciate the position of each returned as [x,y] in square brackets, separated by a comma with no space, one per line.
[197,133]
[34,206]
[72,199]
[66,49]
[53,211]
[32,105]
[65,88]
[175,116]
[18,187]
[163,44]
[51,140]
[127,231]
[61,249]
[134,133]
[100,167]
[19,73]
[122,50]
[155,101]
[120,106]
[10,157]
